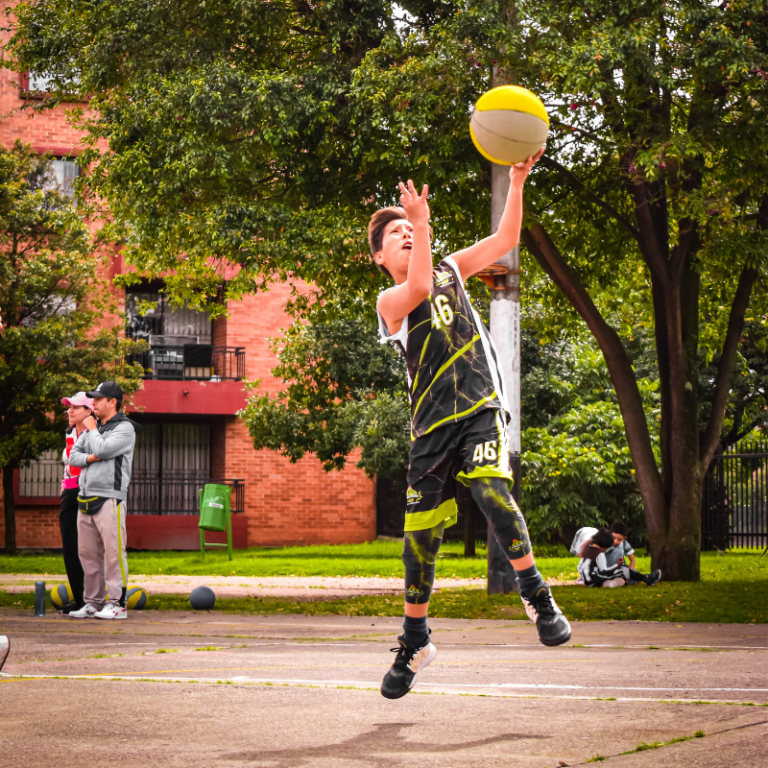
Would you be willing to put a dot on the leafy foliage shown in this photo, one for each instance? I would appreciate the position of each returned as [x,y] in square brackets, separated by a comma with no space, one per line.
[250,140]
[333,368]
[50,301]
[577,469]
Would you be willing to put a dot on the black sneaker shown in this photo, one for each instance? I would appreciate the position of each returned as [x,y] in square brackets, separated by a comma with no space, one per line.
[5,646]
[552,626]
[409,662]
[71,606]
[653,578]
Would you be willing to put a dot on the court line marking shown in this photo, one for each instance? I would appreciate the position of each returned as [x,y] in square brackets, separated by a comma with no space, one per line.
[308,681]
[367,686]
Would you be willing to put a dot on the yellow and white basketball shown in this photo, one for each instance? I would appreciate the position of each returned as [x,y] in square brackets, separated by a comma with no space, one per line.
[509,124]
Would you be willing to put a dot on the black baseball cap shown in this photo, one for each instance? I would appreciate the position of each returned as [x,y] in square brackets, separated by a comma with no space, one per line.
[107,389]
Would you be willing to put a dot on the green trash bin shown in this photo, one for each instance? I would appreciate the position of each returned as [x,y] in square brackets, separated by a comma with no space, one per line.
[215,515]
[214,507]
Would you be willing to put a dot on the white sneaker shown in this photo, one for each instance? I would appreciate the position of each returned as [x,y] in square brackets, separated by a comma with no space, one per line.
[5,646]
[617,582]
[111,611]
[88,611]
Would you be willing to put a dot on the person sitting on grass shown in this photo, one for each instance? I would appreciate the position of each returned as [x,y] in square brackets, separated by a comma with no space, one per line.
[622,552]
[596,572]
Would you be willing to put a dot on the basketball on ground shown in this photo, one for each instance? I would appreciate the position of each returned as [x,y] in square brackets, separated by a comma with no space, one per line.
[61,595]
[136,598]
[202,598]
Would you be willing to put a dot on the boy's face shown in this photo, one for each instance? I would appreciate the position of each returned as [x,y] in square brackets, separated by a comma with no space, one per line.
[617,539]
[396,245]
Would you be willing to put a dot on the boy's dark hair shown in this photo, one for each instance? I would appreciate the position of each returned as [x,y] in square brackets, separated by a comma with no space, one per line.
[620,528]
[379,220]
[603,538]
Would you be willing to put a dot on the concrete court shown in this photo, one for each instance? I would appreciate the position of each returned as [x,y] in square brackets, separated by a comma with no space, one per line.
[285,691]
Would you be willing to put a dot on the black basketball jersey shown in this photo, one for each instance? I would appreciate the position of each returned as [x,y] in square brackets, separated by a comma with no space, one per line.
[452,367]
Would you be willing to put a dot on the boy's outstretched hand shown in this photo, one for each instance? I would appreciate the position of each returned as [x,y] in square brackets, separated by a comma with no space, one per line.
[519,171]
[415,205]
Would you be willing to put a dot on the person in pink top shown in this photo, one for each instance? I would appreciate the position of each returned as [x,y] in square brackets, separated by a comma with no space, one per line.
[80,407]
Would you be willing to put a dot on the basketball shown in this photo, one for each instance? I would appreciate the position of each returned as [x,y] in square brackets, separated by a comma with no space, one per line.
[509,124]
[202,598]
[61,595]
[136,598]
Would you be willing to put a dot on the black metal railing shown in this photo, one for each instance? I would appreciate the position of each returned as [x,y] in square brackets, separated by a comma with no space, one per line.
[192,362]
[734,510]
[176,494]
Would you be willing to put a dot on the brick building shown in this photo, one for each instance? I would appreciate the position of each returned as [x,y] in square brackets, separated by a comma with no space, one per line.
[187,405]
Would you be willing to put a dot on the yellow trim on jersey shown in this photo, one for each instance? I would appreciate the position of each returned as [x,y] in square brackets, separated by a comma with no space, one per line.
[421,359]
[465,477]
[446,513]
[442,370]
[457,416]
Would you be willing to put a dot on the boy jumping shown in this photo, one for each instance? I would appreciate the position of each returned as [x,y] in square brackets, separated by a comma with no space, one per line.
[458,412]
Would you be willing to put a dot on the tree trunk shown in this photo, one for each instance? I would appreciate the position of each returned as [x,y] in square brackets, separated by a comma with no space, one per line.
[9,505]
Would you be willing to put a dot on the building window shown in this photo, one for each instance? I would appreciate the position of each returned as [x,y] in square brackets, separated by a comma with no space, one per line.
[171,463]
[180,341]
[64,170]
[41,478]
[39,82]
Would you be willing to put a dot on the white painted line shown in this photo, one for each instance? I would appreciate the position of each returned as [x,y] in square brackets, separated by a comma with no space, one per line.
[594,690]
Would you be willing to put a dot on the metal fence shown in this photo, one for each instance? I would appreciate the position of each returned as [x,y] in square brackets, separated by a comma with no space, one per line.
[735,499]
[176,494]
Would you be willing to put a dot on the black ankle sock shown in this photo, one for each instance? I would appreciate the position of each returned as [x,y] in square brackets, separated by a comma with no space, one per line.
[530,580]
[415,631]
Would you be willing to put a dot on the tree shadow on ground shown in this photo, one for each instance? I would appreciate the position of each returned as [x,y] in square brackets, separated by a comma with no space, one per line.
[373,746]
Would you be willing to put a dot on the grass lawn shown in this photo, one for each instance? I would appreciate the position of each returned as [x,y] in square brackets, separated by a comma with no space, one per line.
[734,586]
[708,601]
[376,558]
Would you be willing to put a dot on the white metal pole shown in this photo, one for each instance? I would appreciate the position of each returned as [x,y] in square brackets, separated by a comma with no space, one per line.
[505,332]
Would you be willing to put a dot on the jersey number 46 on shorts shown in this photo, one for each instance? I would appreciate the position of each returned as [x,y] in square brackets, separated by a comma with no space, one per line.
[485,452]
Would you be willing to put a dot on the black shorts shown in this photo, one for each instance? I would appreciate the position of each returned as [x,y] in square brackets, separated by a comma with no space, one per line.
[475,447]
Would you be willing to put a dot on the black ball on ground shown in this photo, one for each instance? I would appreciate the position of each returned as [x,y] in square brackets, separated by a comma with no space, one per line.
[202,598]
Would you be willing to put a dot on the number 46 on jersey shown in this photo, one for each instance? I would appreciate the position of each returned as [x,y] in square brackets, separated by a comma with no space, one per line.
[442,314]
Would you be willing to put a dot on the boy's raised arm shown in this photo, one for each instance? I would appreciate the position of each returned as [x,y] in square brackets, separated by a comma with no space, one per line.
[396,302]
[477,257]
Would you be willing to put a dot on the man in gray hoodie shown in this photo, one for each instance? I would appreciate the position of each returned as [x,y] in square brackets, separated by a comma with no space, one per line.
[105,452]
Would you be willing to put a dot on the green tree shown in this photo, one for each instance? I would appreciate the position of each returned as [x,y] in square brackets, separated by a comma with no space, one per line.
[343,390]
[50,301]
[262,134]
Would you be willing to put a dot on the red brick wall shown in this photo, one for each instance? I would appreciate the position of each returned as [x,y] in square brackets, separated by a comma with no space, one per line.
[35,527]
[299,503]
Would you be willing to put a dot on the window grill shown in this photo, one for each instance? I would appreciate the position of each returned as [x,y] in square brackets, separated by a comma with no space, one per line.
[42,478]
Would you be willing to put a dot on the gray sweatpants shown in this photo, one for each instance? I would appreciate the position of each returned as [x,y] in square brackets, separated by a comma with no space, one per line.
[101,546]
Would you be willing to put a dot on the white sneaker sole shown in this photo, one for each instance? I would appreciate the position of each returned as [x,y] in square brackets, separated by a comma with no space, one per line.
[5,647]
[112,618]
[430,657]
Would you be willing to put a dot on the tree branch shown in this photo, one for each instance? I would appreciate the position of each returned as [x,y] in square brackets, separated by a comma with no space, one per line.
[649,246]
[539,243]
[725,367]
[577,183]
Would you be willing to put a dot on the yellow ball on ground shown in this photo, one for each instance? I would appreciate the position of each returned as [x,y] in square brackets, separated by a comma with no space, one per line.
[509,124]
[61,594]
[136,598]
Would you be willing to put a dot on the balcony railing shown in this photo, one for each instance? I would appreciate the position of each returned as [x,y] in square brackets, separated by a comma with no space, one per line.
[176,494]
[192,362]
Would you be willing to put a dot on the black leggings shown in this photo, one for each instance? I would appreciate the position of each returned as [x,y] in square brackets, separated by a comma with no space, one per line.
[420,548]
[68,525]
